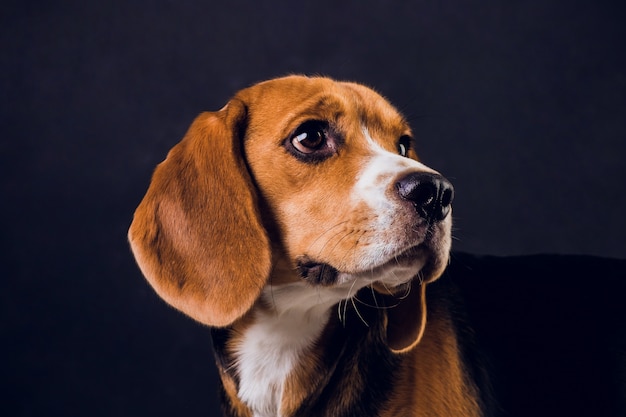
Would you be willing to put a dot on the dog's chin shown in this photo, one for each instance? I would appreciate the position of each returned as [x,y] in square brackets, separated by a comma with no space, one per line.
[418,262]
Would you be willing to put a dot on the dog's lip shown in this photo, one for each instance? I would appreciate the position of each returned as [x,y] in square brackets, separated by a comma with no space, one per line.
[412,251]
[318,272]
[402,258]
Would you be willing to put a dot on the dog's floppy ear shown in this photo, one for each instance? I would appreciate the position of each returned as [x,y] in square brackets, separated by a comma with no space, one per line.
[406,320]
[197,235]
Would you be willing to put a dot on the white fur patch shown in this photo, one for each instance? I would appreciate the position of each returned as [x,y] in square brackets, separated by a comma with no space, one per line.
[273,345]
[377,174]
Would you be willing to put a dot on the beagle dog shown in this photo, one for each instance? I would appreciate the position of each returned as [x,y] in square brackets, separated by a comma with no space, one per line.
[299,225]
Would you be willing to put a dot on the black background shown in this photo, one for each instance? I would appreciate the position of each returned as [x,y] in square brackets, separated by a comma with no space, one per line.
[521,104]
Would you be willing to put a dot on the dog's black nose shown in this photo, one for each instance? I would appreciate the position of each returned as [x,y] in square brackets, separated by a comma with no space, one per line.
[431,194]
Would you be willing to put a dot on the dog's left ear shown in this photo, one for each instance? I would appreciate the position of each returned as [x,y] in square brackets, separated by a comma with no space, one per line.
[406,320]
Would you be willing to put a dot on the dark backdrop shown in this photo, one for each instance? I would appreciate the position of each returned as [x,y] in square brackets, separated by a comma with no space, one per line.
[521,104]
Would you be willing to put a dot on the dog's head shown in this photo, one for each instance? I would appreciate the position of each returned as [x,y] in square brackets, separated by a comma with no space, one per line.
[317,174]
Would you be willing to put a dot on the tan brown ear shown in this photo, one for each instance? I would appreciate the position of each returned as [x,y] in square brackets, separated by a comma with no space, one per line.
[197,235]
[406,320]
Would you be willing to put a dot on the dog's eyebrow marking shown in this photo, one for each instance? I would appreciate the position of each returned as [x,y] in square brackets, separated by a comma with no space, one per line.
[327,108]
[329,103]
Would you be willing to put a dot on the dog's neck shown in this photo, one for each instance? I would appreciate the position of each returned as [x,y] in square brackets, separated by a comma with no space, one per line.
[277,352]
[285,325]
[302,351]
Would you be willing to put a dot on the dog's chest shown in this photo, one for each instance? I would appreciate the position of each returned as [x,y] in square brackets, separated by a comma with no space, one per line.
[272,348]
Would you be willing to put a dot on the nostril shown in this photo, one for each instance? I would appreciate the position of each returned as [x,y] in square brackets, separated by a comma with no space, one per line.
[447,195]
[424,194]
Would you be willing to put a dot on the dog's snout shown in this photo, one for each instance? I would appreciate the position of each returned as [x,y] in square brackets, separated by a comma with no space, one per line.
[431,194]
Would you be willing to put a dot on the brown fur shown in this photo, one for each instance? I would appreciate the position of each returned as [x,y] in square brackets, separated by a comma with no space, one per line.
[206,247]
[434,370]
[193,264]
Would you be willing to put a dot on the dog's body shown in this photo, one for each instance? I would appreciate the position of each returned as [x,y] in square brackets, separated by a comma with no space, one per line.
[351,372]
[298,223]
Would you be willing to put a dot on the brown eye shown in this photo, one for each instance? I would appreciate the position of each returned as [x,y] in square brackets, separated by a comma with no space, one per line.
[404,145]
[309,137]
[313,141]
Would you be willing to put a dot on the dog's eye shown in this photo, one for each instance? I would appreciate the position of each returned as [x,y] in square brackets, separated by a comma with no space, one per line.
[309,137]
[404,145]
[312,142]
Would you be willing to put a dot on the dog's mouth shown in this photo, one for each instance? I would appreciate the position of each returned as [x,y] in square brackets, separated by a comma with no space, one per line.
[395,271]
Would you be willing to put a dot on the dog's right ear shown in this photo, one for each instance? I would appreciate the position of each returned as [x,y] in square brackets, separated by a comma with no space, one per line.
[197,235]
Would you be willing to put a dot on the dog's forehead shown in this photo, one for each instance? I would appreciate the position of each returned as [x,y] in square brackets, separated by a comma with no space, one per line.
[292,100]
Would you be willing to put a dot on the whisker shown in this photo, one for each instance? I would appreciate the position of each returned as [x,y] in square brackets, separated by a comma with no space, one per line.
[338,241]
[358,313]
[331,228]
[408,289]
[374,297]
[386,288]
[345,311]
[350,251]
[341,319]
[351,298]
[376,305]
